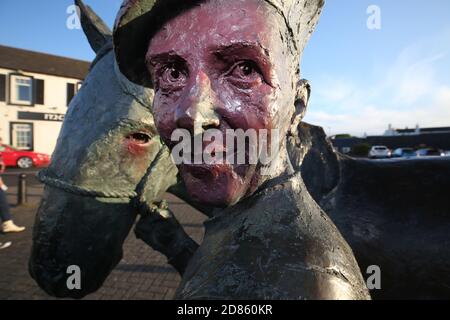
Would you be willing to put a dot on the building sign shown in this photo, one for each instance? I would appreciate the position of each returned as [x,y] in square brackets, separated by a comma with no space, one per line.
[40,116]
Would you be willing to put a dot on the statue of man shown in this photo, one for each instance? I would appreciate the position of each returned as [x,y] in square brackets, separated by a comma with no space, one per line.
[229,65]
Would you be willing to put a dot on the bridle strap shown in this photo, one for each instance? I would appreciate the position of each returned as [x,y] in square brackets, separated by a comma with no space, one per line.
[44,177]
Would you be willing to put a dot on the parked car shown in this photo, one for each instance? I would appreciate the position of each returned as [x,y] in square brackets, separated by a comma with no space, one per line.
[23,159]
[379,152]
[430,152]
[404,153]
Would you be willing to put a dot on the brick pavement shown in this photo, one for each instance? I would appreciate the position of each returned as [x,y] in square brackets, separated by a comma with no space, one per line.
[142,274]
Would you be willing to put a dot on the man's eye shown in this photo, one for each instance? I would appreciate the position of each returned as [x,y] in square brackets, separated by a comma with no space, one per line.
[247,71]
[173,75]
[247,68]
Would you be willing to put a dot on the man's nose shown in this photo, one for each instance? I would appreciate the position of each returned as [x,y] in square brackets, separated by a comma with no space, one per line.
[196,110]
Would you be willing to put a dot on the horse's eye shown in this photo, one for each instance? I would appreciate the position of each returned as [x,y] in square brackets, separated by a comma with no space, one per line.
[139,137]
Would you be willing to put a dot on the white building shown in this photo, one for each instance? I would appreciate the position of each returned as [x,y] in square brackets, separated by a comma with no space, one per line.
[35,91]
[391,131]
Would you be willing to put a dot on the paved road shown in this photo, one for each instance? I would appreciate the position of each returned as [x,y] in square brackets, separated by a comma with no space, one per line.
[142,274]
[11,176]
[11,179]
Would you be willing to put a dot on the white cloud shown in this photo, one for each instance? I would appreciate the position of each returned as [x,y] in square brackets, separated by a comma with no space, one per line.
[410,92]
[335,90]
[374,120]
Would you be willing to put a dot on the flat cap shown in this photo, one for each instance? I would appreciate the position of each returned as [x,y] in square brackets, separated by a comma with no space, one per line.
[139,20]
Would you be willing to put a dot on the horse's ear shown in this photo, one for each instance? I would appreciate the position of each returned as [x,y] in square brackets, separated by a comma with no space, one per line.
[97,32]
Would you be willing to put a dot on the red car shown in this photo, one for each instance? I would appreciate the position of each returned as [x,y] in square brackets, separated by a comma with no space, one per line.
[23,159]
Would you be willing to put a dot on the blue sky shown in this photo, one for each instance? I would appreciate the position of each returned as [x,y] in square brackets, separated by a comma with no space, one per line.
[361,79]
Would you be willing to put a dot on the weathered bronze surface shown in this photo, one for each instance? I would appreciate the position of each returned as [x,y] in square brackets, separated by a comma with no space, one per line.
[234,65]
[394,214]
[107,163]
[270,239]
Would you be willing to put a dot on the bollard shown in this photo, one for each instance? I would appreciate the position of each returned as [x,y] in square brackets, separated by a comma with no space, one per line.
[22,190]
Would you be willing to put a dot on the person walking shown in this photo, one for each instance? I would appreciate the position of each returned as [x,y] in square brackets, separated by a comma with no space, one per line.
[8,225]
[5,245]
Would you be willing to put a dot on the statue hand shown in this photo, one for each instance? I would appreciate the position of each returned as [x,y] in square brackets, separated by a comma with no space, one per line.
[159,229]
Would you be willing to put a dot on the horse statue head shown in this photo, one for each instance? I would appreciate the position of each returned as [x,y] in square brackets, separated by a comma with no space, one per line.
[108,158]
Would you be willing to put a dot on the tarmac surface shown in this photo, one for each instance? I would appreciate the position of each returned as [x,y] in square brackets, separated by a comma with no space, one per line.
[143,274]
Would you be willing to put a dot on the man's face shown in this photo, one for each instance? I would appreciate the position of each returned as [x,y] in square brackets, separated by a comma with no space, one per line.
[222,65]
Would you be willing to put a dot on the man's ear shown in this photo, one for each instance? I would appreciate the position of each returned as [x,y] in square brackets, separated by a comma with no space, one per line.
[303,92]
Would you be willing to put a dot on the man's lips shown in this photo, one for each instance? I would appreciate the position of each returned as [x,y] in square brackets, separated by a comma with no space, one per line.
[211,172]
[202,172]
[213,148]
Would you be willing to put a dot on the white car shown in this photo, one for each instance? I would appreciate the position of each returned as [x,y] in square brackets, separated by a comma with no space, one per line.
[379,152]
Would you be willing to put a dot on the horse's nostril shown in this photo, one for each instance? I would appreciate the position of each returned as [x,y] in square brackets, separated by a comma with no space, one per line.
[139,137]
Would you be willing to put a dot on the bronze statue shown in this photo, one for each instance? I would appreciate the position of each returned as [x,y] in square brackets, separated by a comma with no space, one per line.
[108,162]
[234,65]
[272,238]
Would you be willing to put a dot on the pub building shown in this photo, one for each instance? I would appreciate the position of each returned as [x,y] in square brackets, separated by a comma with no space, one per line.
[35,92]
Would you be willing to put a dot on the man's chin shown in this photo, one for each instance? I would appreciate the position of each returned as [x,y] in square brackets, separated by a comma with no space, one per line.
[212,199]
[217,188]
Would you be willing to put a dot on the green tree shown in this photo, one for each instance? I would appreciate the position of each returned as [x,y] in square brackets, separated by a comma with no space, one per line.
[361,149]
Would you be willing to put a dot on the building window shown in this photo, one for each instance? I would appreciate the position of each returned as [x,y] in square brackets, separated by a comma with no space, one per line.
[22,136]
[21,92]
[39,86]
[70,92]
[2,87]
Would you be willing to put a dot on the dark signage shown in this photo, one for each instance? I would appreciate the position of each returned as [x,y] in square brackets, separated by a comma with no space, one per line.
[40,116]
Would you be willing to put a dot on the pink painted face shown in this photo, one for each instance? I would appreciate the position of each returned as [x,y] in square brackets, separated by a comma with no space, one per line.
[222,64]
